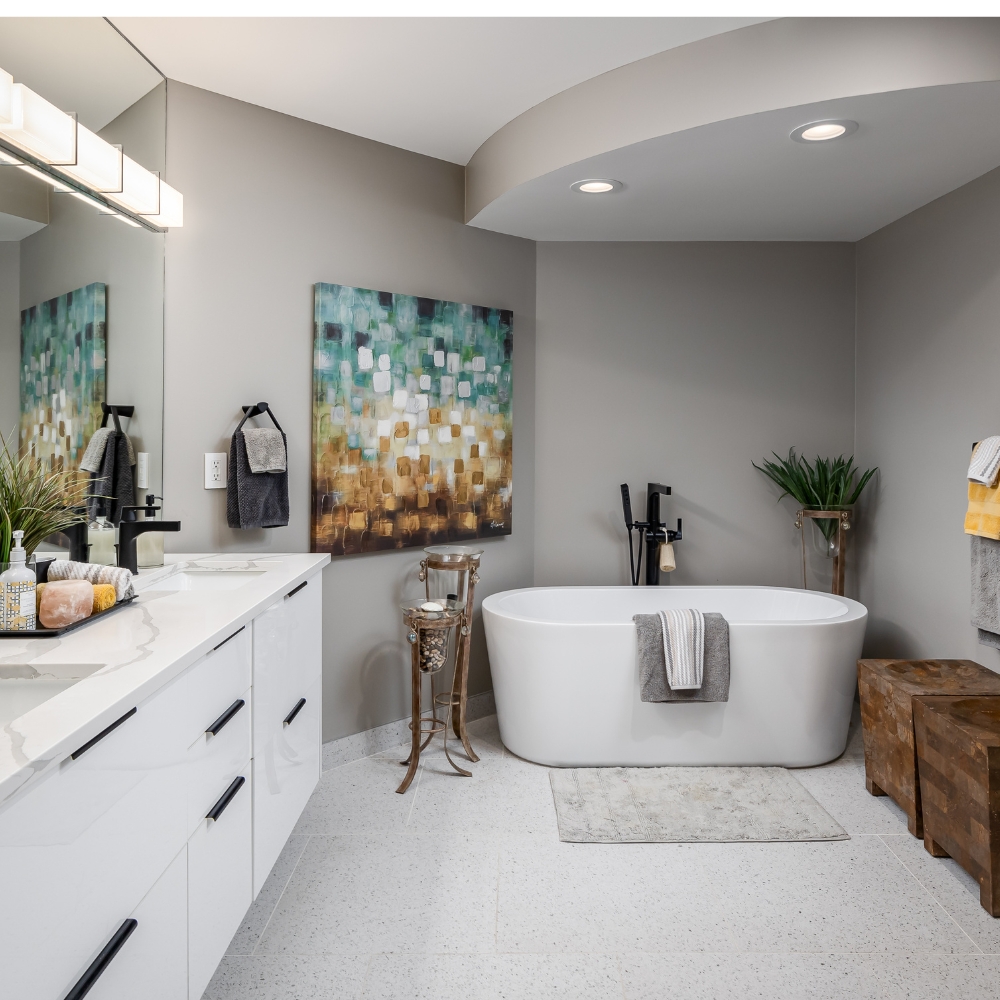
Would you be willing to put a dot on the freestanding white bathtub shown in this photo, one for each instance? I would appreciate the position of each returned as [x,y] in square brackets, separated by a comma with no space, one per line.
[566,677]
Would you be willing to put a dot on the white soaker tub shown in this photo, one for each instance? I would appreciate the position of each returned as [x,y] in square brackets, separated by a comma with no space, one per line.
[566,677]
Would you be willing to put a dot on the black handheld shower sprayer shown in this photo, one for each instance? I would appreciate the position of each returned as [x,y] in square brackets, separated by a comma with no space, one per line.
[653,532]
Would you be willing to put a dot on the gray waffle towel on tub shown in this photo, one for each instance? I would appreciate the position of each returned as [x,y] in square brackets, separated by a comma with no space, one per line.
[653,665]
[986,589]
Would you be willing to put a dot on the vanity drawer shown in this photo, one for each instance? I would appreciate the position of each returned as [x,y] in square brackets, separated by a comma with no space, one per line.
[216,759]
[287,656]
[216,681]
[220,881]
[286,770]
[82,847]
[152,962]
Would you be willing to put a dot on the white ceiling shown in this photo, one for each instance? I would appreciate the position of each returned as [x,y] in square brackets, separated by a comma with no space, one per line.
[439,86]
[80,64]
[745,179]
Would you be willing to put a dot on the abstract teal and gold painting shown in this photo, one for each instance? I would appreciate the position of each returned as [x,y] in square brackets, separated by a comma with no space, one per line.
[63,364]
[412,421]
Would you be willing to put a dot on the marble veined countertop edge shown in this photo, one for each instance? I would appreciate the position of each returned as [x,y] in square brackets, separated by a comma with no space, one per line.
[132,653]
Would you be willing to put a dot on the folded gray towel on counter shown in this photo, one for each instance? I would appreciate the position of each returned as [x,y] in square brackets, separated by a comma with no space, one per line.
[118,577]
[986,589]
[653,682]
[265,449]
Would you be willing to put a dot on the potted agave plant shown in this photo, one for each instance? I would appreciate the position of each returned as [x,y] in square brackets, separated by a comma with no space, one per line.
[35,502]
[825,485]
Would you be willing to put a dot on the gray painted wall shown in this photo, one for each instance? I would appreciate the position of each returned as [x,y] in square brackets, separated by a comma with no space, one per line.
[679,363]
[10,339]
[927,361]
[272,205]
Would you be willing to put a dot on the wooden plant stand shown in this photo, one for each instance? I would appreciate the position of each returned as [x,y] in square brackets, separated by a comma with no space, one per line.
[958,753]
[887,689]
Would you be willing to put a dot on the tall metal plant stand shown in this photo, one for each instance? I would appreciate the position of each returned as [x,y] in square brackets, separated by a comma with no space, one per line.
[462,560]
[843,519]
[429,635]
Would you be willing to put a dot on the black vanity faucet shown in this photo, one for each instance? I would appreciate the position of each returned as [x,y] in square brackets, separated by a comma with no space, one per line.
[129,530]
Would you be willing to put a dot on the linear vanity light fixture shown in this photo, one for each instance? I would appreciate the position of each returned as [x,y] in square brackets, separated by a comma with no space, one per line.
[52,146]
[823,131]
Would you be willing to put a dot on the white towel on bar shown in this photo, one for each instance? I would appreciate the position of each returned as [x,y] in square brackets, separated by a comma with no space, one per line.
[683,648]
[985,461]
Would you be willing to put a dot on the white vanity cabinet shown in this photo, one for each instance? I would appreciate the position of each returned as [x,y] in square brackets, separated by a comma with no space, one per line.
[127,868]
[287,718]
[151,962]
[79,851]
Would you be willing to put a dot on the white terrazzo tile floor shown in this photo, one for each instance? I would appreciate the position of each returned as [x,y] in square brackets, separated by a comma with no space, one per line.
[461,890]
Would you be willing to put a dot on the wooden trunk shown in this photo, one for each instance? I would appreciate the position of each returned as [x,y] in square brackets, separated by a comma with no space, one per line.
[958,755]
[887,688]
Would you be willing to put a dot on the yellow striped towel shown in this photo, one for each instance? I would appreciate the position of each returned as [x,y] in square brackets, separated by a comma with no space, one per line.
[983,516]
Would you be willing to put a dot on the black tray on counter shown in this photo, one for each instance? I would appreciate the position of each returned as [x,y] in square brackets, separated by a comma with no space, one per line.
[54,633]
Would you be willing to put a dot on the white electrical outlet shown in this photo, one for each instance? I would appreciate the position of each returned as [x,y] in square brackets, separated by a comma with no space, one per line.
[215,470]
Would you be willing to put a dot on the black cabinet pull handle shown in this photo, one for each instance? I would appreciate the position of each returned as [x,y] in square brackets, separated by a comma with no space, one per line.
[227,796]
[233,636]
[290,718]
[220,723]
[97,967]
[295,590]
[100,736]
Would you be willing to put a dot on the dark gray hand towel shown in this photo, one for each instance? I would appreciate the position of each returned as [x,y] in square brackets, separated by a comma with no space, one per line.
[254,500]
[986,589]
[113,486]
[653,666]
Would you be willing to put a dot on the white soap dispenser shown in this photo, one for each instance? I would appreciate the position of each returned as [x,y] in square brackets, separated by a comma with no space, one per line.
[17,586]
[149,545]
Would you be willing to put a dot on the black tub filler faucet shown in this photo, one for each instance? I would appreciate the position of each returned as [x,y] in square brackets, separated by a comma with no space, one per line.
[652,531]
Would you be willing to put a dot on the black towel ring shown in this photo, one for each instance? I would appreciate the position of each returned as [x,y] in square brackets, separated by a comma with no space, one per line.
[256,410]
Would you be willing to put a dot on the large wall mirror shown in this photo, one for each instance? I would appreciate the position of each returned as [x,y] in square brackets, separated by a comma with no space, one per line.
[81,291]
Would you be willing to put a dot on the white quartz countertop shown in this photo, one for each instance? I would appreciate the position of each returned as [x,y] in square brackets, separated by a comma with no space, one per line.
[130,654]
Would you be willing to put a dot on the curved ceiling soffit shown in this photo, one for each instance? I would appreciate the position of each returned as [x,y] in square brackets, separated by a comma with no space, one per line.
[764,67]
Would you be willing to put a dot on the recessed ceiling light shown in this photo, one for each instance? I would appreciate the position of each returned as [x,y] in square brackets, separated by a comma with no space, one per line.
[597,185]
[832,128]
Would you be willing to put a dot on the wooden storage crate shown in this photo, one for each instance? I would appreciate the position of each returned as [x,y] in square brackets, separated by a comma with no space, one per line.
[887,688]
[958,757]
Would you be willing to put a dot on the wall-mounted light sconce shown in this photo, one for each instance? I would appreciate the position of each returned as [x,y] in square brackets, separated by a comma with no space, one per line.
[53,146]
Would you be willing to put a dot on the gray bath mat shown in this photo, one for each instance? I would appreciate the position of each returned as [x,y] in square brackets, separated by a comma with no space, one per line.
[613,805]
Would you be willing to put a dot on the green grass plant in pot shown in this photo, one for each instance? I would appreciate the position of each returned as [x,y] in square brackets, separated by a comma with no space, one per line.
[34,501]
[826,484]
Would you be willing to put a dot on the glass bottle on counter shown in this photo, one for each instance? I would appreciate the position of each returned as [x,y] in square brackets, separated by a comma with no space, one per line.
[149,545]
[17,590]
[101,536]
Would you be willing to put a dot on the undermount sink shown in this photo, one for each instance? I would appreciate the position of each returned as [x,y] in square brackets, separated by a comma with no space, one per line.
[25,686]
[207,579]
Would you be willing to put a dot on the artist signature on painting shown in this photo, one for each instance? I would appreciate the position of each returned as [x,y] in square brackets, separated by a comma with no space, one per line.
[497,524]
